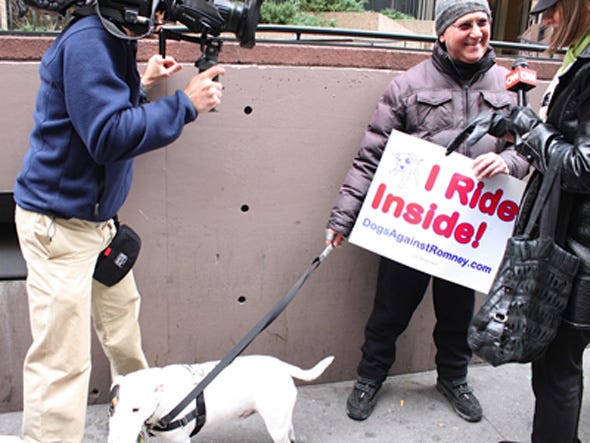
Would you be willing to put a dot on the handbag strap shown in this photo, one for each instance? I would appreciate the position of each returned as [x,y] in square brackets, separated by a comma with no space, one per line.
[546,203]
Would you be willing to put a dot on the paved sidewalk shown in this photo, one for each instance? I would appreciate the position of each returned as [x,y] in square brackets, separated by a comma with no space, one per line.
[410,410]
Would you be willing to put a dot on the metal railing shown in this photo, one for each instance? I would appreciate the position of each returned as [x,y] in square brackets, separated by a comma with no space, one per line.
[286,34]
[356,37]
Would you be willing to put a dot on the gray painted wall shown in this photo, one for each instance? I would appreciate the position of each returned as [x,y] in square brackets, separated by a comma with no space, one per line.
[235,208]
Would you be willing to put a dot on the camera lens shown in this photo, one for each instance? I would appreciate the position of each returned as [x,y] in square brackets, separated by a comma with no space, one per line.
[231,13]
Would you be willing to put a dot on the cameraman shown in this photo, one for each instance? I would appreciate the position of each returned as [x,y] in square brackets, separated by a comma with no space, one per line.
[91,120]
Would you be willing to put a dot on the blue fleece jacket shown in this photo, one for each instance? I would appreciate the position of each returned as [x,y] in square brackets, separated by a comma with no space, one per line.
[88,114]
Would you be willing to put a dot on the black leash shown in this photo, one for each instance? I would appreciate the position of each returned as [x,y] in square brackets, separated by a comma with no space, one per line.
[166,423]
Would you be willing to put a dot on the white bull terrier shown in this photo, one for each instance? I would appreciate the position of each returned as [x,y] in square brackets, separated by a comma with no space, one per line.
[249,384]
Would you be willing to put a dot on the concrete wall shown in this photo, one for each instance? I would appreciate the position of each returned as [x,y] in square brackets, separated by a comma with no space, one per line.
[234,211]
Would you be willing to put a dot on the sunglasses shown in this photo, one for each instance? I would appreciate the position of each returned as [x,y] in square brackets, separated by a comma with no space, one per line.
[467,26]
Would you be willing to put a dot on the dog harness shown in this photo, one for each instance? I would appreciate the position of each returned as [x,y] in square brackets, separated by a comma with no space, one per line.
[199,414]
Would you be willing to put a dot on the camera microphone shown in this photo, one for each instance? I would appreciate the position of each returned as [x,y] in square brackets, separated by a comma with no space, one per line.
[521,79]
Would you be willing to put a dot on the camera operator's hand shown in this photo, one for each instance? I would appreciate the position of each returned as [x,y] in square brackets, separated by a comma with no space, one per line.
[158,68]
[204,91]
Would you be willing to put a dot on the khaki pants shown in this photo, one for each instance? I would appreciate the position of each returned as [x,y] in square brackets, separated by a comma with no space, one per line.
[60,256]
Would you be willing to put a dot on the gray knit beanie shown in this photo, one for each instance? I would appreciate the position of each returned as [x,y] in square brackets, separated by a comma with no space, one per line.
[448,11]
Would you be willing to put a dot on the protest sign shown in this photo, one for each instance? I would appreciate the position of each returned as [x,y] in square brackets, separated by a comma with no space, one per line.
[428,211]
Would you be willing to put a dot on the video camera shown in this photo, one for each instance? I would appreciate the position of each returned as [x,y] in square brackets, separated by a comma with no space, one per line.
[214,17]
[208,17]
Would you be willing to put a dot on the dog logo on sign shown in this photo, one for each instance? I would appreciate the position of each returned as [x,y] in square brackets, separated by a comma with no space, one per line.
[405,168]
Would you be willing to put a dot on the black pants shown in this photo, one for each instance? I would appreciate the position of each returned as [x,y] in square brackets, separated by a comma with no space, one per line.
[399,292]
[558,387]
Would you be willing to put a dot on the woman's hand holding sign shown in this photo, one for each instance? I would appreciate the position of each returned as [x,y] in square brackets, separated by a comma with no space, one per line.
[489,165]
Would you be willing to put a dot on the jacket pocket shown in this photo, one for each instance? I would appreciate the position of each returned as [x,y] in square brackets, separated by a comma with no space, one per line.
[496,101]
[434,111]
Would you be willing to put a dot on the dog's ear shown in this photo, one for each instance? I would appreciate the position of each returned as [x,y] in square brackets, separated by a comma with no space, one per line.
[114,399]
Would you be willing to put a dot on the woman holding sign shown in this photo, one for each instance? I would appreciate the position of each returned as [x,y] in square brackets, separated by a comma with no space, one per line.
[432,101]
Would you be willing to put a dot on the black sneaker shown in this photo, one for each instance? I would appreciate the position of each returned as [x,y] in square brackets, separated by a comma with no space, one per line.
[362,399]
[461,396]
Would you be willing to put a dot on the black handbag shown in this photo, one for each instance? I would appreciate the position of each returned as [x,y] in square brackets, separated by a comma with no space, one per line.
[117,259]
[531,289]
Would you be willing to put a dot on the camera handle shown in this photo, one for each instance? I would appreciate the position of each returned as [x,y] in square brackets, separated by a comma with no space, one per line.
[210,47]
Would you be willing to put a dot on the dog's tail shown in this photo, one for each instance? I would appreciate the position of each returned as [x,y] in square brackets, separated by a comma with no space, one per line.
[310,374]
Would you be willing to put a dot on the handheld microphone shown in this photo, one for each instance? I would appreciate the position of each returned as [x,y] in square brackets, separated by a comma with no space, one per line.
[521,79]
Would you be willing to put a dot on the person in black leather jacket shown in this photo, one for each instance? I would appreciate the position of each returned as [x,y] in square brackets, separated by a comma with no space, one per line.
[557,376]
[564,130]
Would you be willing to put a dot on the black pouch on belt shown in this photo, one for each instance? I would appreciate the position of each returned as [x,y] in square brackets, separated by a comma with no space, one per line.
[117,259]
